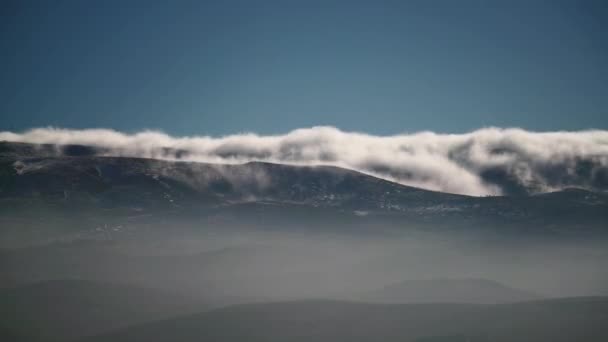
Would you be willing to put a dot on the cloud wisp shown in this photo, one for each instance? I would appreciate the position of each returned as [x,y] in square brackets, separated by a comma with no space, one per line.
[489,161]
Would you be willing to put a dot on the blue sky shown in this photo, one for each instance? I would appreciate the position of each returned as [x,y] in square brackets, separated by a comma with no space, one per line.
[383,67]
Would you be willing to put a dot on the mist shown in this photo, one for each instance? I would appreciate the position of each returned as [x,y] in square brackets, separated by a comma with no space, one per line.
[230,265]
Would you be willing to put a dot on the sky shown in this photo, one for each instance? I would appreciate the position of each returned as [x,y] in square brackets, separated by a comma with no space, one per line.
[380,67]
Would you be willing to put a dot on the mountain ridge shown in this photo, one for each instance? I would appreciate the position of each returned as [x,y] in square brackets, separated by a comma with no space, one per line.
[19,150]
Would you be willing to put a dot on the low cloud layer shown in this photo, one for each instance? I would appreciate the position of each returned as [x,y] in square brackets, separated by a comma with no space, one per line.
[488,161]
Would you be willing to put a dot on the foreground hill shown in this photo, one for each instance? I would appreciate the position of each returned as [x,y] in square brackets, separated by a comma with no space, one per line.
[63,309]
[576,319]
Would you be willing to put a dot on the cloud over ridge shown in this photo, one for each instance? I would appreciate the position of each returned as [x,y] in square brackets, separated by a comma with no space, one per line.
[489,161]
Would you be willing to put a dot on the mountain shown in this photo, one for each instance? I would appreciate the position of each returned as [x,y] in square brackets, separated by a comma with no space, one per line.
[74,186]
[448,290]
[65,309]
[575,319]
[146,182]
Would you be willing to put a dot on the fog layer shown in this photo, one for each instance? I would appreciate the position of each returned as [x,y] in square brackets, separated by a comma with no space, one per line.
[488,161]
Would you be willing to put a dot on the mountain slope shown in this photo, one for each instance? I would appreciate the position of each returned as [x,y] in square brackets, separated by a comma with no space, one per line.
[173,183]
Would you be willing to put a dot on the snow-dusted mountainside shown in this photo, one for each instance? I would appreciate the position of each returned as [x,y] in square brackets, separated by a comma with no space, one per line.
[74,179]
[44,172]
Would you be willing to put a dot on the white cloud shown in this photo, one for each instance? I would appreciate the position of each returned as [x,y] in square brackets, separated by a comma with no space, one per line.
[484,162]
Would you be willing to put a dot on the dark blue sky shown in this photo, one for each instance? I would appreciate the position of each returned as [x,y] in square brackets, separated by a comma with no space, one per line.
[271,66]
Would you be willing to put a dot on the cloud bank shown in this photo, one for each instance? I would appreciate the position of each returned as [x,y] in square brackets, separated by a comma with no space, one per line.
[489,161]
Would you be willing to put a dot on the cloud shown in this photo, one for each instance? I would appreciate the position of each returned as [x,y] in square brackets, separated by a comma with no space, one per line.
[489,161]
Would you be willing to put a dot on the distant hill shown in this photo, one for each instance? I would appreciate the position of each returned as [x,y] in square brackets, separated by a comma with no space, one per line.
[64,309]
[563,320]
[448,290]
